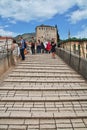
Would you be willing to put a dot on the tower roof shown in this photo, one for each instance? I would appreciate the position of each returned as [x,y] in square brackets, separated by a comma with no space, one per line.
[42,25]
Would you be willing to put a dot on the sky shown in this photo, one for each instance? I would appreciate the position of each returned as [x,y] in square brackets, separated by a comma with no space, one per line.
[22,16]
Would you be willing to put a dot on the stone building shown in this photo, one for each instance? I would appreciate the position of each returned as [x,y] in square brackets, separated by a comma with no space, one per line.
[78,46]
[45,33]
[5,42]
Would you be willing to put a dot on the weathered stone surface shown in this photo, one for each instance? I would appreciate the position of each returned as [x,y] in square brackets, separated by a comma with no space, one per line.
[42,93]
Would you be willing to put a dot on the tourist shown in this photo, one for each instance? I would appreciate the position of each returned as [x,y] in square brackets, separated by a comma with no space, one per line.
[53,50]
[42,47]
[14,48]
[22,47]
[38,46]
[48,47]
[33,46]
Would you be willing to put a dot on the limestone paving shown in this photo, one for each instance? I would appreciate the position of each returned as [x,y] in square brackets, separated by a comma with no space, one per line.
[42,93]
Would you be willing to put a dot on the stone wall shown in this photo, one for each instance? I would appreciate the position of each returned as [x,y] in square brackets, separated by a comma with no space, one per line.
[76,62]
[5,63]
[45,33]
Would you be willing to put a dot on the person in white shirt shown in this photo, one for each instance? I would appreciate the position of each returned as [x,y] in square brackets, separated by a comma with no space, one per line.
[14,49]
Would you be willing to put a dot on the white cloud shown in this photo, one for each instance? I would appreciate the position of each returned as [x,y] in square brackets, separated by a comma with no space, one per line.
[80,13]
[11,21]
[1,27]
[83,33]
[27,10]
[81,3]
[7,33]
[5,26]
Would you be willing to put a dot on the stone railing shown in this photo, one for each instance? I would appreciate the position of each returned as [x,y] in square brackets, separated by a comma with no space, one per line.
[75,61]
[5,62]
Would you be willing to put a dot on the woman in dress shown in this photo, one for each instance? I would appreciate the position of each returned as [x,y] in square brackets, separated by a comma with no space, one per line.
[14,49]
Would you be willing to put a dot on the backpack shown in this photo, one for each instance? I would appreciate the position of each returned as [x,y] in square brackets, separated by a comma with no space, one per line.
[25,45]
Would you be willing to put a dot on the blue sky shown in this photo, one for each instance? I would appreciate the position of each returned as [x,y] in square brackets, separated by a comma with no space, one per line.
[22,16]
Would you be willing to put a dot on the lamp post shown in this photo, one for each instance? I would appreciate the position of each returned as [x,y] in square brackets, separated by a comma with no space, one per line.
[79,56]
[70,45]
[7,50]
[7,44]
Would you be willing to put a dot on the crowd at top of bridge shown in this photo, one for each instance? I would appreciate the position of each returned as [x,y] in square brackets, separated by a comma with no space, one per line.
[39,47]
[20,48]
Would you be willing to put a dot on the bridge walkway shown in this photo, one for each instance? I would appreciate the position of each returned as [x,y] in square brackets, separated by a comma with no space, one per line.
[42,93]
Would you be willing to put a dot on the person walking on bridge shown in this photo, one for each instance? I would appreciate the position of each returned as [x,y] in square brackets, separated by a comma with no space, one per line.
[14,48]
[22,47]
[53,50]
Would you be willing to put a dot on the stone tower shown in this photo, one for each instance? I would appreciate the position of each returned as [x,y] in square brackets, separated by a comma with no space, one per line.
[45,33]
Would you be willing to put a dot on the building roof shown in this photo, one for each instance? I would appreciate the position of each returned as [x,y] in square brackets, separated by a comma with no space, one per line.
[42,25]
[4,38]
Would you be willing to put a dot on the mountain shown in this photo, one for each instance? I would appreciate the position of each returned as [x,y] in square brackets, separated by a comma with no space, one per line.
[26,36]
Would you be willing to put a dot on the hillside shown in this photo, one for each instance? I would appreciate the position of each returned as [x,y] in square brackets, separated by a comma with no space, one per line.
[26,36]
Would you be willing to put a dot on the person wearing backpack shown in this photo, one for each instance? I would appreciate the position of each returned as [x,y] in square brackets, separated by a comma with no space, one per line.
[22,47]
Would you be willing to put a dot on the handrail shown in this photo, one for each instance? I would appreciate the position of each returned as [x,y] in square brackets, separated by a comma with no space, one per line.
[78,48]
[5,50]
[75,61]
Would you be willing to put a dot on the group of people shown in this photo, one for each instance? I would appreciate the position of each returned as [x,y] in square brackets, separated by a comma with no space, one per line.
[43,47]
[18,50]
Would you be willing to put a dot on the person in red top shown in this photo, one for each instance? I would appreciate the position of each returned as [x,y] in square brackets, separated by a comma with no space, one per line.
[48,47]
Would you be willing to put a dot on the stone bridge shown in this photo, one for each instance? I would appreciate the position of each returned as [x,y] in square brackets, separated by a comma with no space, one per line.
[42,93]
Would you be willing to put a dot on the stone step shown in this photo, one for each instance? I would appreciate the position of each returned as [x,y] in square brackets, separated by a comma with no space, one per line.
[42,65]
[47,78]
[44,71]
[44,124]
[42,115]
[43,99]
[42,88]
[43,80]
[42,62]
[16,74]
[43,85]
[53,94]
[58,106]
[42,68]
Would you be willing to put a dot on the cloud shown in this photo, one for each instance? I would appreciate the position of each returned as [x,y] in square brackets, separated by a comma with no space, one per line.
[5,26]
[27,10]
[80,13]
[7,33]
[83,33]
[11,21]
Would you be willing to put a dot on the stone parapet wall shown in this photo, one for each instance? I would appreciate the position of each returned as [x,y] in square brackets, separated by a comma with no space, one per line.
[5,63]
[76,62]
